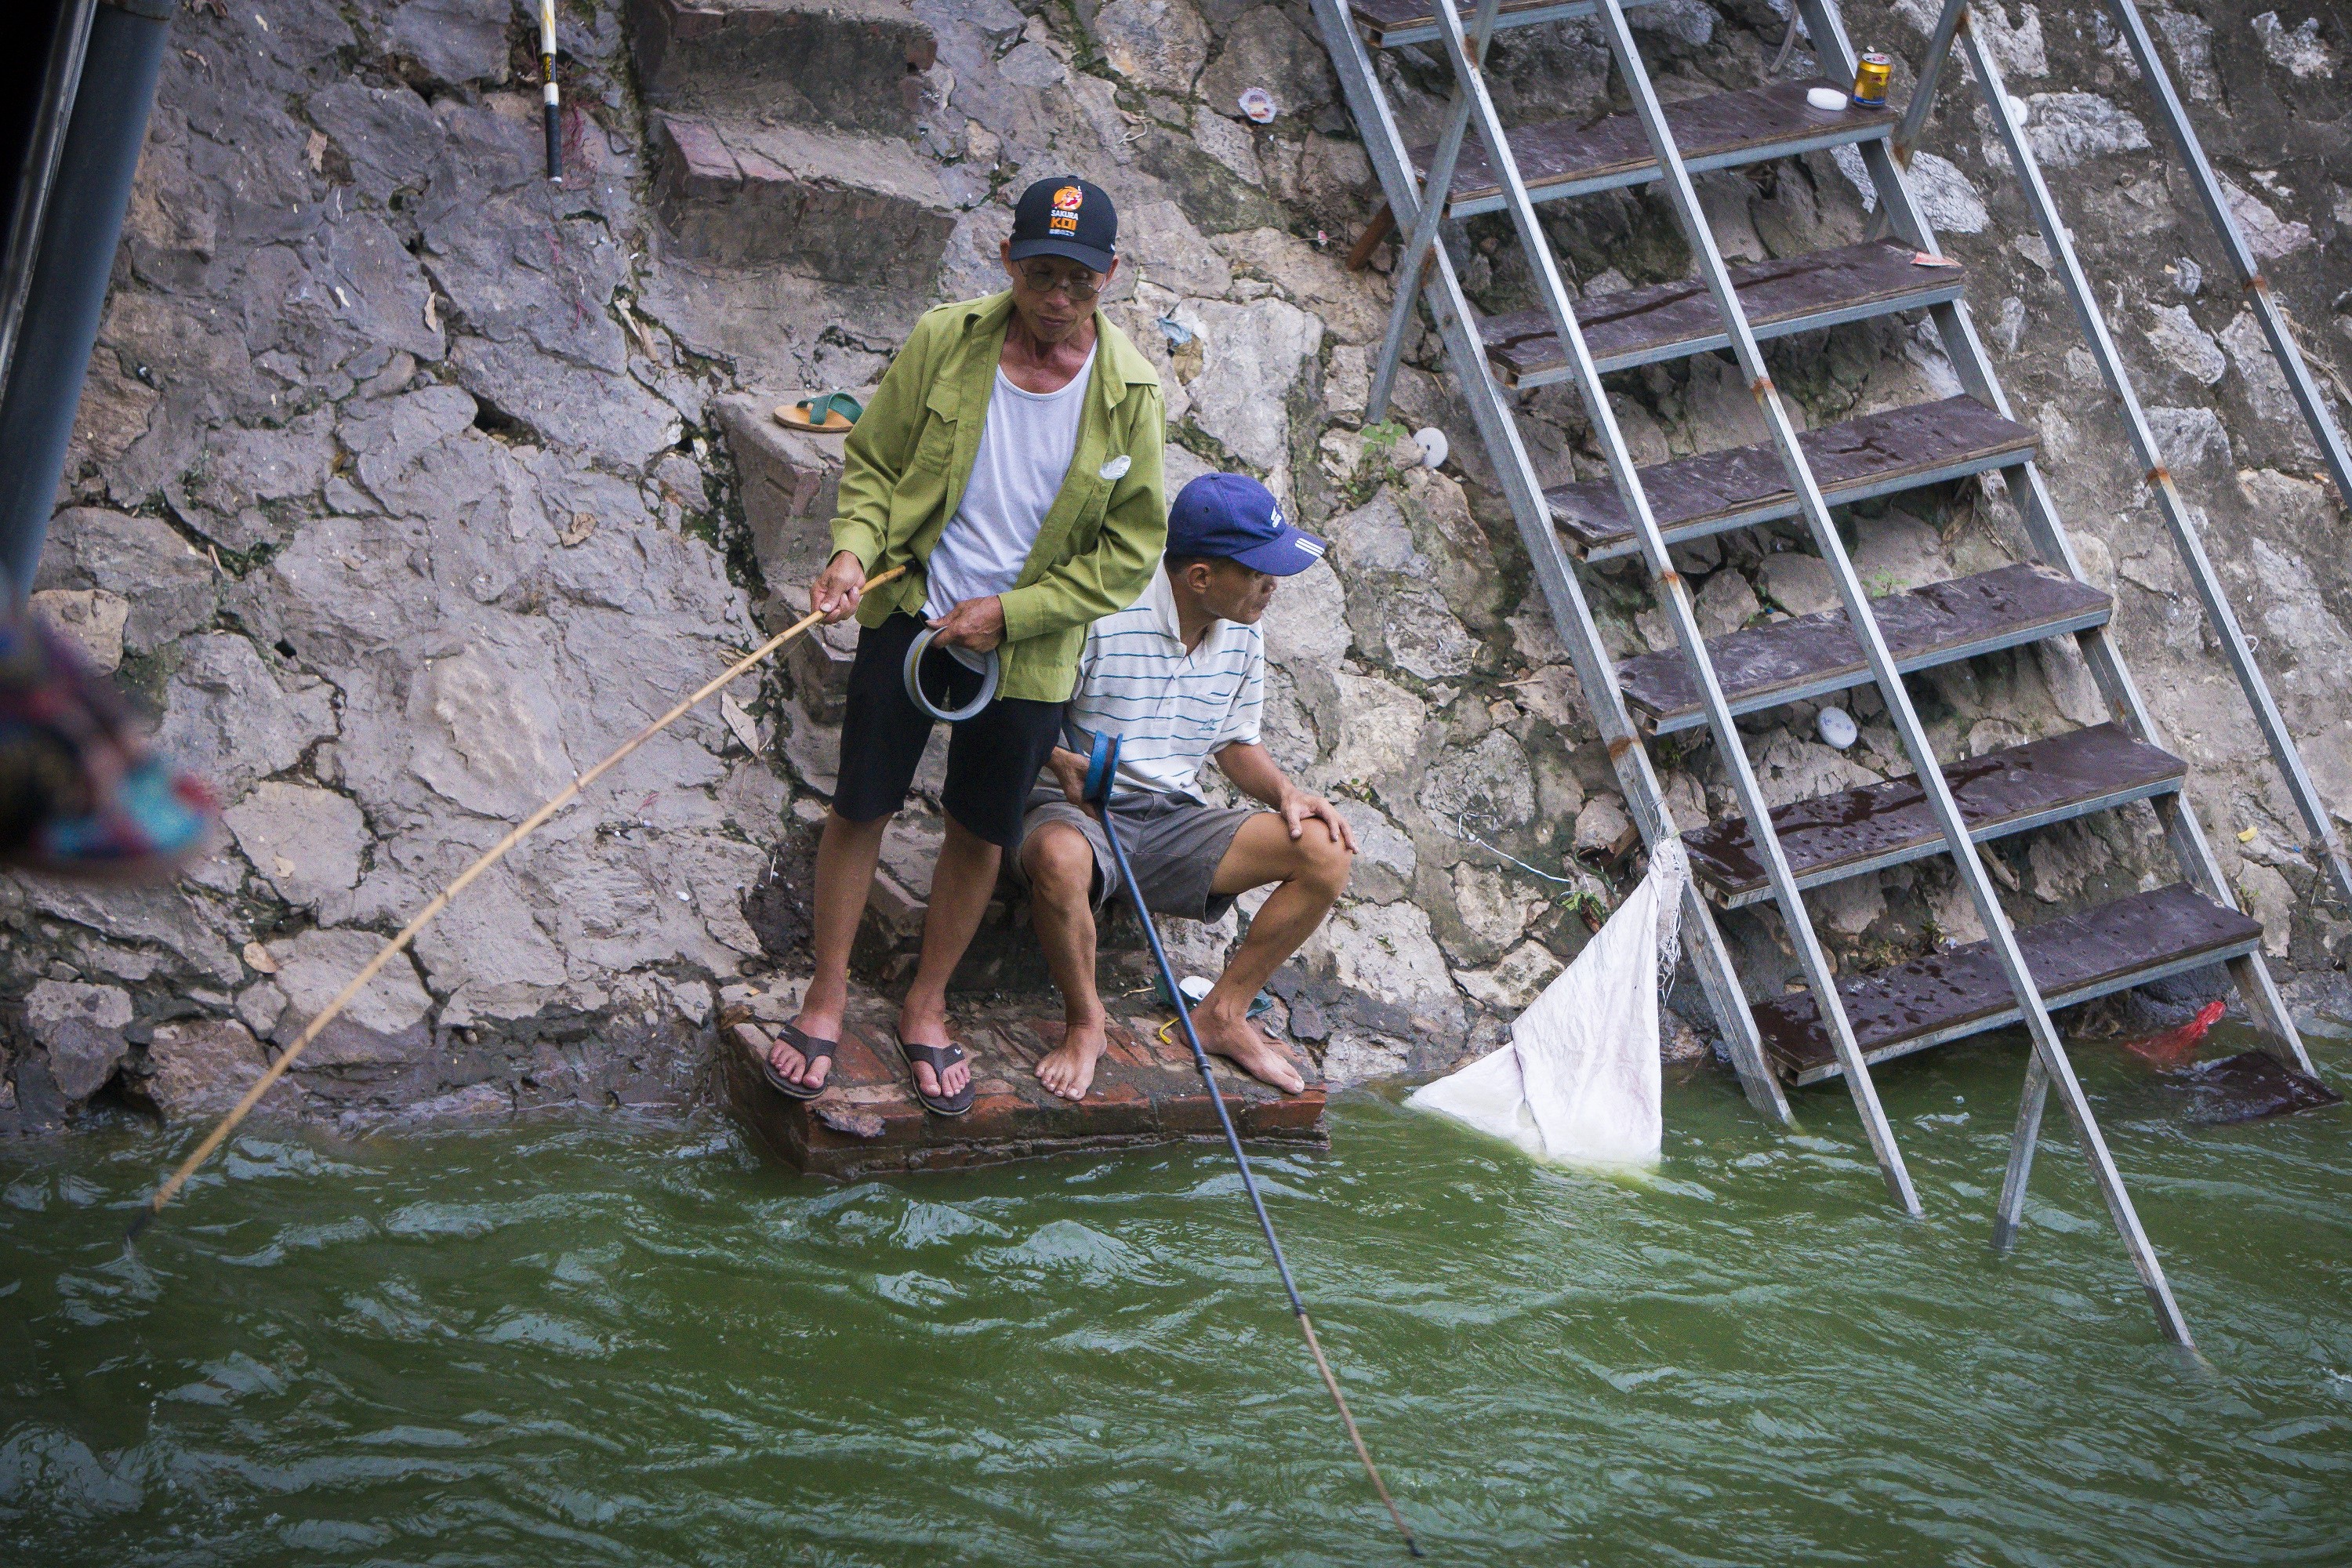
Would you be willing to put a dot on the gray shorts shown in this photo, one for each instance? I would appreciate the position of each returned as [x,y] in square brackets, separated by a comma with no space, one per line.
[1173,846]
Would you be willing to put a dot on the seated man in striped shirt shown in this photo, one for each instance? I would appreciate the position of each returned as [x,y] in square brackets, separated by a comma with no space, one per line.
[1180,677]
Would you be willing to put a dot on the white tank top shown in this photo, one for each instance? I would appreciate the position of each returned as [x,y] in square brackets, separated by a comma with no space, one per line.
[1025,447]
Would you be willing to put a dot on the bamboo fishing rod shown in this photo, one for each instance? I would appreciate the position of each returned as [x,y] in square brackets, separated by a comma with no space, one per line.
[523,830]
[1102,774]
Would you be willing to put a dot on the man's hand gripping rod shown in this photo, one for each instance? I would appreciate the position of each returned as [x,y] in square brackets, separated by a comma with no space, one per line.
[1102,772]
[523,830]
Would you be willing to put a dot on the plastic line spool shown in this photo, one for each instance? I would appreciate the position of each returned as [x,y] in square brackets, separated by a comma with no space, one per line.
[912,673]
[1102,767]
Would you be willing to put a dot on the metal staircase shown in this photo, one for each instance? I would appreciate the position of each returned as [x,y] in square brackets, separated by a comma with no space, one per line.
[1837,1028]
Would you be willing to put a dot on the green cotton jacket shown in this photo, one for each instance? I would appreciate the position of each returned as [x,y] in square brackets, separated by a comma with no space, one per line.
[907,463]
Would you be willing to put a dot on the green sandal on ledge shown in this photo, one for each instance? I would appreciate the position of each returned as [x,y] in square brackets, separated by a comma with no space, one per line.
[830,415]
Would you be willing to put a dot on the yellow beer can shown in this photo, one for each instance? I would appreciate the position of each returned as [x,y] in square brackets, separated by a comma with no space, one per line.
[1870,78]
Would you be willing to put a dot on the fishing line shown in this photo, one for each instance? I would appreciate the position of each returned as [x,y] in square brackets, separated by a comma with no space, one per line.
[1102,771]
[529,824]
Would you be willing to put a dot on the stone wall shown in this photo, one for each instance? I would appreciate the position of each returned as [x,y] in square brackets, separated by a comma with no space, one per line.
[406,484]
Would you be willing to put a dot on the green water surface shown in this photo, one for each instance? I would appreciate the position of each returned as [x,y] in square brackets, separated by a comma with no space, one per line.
[569,1342]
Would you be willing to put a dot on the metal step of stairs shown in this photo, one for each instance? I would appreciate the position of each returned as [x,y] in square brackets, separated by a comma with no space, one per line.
[1674,321]
[1562,158]
[1878,455]
[1812,656]
[1392,24]
[1946,995]
[1857,831]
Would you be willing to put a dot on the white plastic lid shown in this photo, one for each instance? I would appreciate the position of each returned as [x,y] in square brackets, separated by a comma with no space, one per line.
[1826,98]
[1837,727]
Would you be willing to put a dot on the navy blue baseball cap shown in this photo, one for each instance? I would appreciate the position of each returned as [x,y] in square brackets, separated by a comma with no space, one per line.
[1232,517]
[1066,217]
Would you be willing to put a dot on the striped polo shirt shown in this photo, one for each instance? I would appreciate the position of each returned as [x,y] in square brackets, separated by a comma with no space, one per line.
[1173,711]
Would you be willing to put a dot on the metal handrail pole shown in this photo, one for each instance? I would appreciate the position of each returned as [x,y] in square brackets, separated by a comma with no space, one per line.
[1564,597]
[2209,196]
[2039,513]
[2252,973]
[1676,599]
[1437,189]
[1928,771]
[2047,533]
[1923,89]
[1923,99]
[2186,537]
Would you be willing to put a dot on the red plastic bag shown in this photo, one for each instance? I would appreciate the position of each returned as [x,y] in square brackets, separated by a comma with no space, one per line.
[2178,1044]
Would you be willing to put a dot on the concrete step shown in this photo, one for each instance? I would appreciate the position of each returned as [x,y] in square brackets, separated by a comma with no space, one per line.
[864,210]
[853,64]
[789,479]
[867,1120]
[1392,24]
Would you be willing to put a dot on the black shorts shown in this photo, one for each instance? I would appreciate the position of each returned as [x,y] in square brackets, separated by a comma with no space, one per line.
[992,757]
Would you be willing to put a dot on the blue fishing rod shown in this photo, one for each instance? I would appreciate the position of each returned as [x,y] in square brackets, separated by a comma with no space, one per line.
[1102,772]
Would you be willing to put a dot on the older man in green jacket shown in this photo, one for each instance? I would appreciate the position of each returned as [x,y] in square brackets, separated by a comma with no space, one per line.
[1010,461]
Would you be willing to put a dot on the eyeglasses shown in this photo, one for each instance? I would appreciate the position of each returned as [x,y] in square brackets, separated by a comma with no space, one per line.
[1078,290]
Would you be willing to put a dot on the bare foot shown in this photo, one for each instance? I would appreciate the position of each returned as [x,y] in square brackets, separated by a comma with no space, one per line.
[1070,1069]
[1244,1044]
[932,1029]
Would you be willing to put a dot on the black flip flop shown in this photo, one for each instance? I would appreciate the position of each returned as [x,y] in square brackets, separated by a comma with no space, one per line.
[939,1058]
[811,1049]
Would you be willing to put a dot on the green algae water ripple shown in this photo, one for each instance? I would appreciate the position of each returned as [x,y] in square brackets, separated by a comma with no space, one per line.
[590,1343]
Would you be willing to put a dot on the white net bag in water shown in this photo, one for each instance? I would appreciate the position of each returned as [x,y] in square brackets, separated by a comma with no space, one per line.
[1579,1082]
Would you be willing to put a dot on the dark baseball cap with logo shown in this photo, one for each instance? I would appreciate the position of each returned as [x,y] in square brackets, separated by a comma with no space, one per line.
[1067,217]
[1234,517]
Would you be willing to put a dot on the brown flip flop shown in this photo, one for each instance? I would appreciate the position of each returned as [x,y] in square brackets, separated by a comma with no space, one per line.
[939,1058]
[810,1048]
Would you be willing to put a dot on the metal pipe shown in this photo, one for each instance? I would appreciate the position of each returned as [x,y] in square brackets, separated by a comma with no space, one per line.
[2047,533]
[1923,99]
[1673,594]
[2211,196]
[74,260]
[2049,1064]
[2001,938]
[2326,844]
[1436,188]
[1571,617]
[36,171]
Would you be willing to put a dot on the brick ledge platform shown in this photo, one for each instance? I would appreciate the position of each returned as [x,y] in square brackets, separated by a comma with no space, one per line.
[868,1121]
